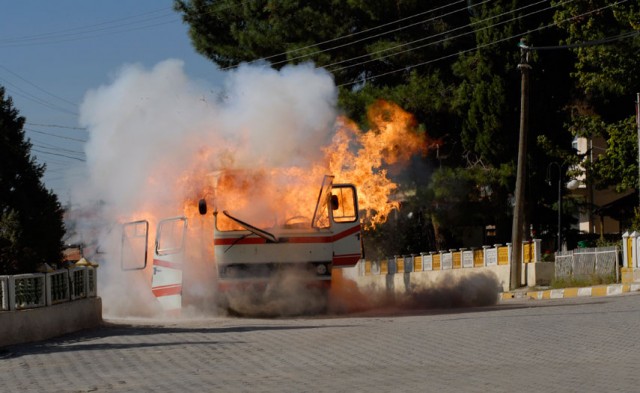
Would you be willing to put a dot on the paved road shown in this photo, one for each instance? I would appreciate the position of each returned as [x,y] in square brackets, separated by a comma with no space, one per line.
[569,345]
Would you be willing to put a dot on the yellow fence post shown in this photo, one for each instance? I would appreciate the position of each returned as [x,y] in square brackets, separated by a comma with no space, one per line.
[478,257]
[399,264]
[437,258]
[417,262]
[456,259]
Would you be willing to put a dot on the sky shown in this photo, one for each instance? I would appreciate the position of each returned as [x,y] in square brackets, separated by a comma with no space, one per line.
[52,53]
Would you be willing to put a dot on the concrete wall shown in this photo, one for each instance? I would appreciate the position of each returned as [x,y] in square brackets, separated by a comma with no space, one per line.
[46,322]
[540,273]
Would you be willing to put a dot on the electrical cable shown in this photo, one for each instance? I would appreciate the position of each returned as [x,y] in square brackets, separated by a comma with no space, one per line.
[440,34]
[75,105]
[86,32]
[59,155]
[479,47]
[356,34]
[15,90]
[383,34]
[586,44]
[55,136]
[57,126]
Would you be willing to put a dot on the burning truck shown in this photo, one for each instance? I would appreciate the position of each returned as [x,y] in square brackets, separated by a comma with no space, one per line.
[269,227]
[249,262]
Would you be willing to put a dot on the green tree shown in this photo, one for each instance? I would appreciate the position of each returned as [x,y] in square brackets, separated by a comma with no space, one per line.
[465,93]
[607,76]
[343,36]
[31,226]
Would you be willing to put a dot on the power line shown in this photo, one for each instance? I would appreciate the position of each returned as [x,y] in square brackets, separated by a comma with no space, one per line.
[57,126]
[479,46]
[441,34]
[83,33]
[59,155]
[14,39]
[55,136]
[43,145]
[586,44]
[393,31]
[95,30]
[356,34]
[15,90]
[38,87]
[384,33]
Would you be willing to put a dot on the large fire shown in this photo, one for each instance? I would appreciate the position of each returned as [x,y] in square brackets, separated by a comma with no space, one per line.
[267,195]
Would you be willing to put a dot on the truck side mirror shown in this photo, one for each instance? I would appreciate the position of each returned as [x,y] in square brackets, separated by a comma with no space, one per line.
[202,206]
[334,202]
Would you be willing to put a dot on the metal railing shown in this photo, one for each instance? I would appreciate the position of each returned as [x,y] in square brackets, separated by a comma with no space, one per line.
[25,291]
[486,256]
[587,263]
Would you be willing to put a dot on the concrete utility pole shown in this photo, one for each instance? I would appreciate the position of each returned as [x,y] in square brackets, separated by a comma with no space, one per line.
[518,209]
[638,127]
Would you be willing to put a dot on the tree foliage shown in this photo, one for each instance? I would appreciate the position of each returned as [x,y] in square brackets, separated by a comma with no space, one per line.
[454,65]
[31,226]
[606,75]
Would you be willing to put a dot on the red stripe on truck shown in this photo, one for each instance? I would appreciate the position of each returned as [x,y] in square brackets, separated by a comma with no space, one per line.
[172,265]
[294,239]
[167,290]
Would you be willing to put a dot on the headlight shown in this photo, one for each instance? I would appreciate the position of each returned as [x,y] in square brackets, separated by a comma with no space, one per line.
[321,269]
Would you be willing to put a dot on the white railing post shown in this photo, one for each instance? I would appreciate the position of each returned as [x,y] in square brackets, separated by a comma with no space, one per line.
[4,293]
[78,279]
[634,248]
[467,258]
[626,257]
[446,261]
[537,251]
[427,261]
[57,284]
[27,291]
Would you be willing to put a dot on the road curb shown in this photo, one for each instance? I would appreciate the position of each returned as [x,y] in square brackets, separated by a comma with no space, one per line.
[565,293]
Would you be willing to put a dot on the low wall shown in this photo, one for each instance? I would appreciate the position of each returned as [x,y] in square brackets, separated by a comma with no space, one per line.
[407,282]
[36,324]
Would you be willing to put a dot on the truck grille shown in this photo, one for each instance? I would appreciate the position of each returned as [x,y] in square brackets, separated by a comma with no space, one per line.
[268,270]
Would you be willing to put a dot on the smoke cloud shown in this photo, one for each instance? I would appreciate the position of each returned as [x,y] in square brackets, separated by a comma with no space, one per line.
[474,290]
[154,137]
[147,127]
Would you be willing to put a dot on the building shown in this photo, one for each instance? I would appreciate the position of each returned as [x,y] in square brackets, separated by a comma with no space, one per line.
[604,211]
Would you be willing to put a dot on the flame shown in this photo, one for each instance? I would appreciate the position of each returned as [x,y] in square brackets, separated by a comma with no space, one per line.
[268,196]
[360,157]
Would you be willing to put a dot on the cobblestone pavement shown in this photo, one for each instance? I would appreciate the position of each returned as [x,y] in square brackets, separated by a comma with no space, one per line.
[569,345]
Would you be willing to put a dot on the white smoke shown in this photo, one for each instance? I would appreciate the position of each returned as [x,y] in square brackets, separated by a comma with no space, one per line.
[150,122]
[147,125]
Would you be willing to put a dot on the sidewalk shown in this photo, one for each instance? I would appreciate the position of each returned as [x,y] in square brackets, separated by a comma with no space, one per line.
[564,293]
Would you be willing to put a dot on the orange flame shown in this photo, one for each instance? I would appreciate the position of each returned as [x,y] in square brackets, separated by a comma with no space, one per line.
[267,196]
[392,139]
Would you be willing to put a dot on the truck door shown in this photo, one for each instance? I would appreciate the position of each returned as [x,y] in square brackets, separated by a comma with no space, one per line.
[133,250]
[345,225]
[168,259]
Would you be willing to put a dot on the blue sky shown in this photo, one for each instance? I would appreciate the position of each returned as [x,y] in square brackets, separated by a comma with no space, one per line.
[53,52]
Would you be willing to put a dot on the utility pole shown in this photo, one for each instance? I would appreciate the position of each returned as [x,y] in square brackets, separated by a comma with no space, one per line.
[638,127]
[518,209]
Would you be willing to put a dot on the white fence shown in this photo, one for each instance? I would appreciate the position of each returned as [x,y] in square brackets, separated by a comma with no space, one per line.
[25,291]
[486,256]
[585,263]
